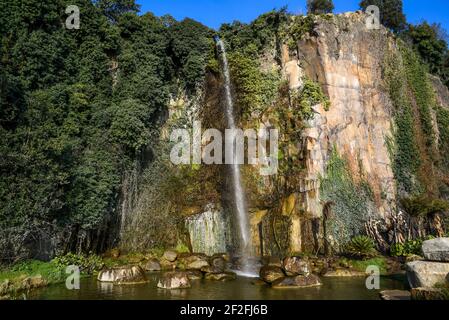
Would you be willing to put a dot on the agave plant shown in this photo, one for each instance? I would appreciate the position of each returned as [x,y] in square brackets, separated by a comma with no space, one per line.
[361,247]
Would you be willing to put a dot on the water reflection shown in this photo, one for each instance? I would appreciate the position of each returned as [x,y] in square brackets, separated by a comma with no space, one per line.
[241,289]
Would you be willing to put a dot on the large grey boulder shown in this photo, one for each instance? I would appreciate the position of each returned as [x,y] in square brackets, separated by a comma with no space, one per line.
[426,273]
[436,249]
[122,275]
[174,280]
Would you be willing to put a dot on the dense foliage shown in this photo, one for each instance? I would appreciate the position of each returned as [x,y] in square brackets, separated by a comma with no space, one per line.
[361,247]
[78,108]
[320,6]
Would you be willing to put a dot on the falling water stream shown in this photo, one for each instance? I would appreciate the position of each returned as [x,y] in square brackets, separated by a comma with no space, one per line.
[245,246]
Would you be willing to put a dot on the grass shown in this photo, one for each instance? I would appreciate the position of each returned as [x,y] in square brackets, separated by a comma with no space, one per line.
[48,270]
[361,265]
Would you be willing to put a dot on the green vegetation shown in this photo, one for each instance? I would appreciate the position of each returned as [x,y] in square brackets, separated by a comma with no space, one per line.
[320,6]
[79,110]
[361,247]
[408,248]
[309,95]
[442,116]
[362,265]
[351,201]
[391,13]
[423,206]
[403,145]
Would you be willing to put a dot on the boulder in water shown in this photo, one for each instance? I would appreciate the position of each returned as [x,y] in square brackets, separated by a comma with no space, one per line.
[395,295]
[122,275]
[174,280]
[224,276]
[271,274]
[152,265]
[436,249]
[310,280]
[194,274]
[294,266]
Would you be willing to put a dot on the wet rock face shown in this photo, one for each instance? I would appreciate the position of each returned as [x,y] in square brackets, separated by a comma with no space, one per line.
[294,266]
[122,275]
[310,280]
[426,273]
[436,249]
[270,274]
[174,280]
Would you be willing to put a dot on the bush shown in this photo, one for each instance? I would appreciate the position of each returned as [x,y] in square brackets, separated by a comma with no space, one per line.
[87,264]
[408,248]
[361,247]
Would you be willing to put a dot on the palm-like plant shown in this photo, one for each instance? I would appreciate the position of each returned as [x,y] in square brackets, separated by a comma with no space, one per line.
[361,247]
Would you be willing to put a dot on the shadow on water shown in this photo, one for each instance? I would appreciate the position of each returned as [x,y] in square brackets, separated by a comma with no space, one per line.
[241,289]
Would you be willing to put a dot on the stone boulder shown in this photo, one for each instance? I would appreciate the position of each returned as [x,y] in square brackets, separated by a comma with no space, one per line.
[426,273]
[294,266]
[218,263]
[170,255]
[174,280]
[195,262]
[152,265]
[395,295]
[122,275]
[194,274]
[436,249]
[427,294]
[271,274]
[310,280]
[224,276]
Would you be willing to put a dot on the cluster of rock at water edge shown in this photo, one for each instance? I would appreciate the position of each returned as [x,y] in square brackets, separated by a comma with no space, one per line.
[181,269]
[425,275]
[291,272]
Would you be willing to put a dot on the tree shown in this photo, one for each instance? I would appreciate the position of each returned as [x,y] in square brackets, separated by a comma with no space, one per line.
[427,41]
[320,6]
[391,13]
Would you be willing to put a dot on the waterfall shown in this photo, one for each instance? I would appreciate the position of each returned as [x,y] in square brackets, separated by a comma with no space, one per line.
[245,245]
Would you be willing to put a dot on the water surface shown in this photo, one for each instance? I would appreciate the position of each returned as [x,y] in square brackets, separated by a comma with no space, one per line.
[240,289]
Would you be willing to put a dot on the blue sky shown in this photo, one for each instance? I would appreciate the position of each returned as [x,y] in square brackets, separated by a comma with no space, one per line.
[215,12]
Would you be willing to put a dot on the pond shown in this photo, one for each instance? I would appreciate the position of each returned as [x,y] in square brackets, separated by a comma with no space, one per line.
[240,289]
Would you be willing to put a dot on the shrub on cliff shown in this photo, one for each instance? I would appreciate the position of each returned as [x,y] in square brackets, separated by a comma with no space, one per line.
[320,6]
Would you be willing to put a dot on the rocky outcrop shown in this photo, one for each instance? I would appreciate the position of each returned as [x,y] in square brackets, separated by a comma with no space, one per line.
[436,249]
[224,276]
[427,274]
[310,280]
[174,280]
[427,294]
[122,275]
[270,274]
[294,266]
[170,255]
[395,295]
[152,265]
